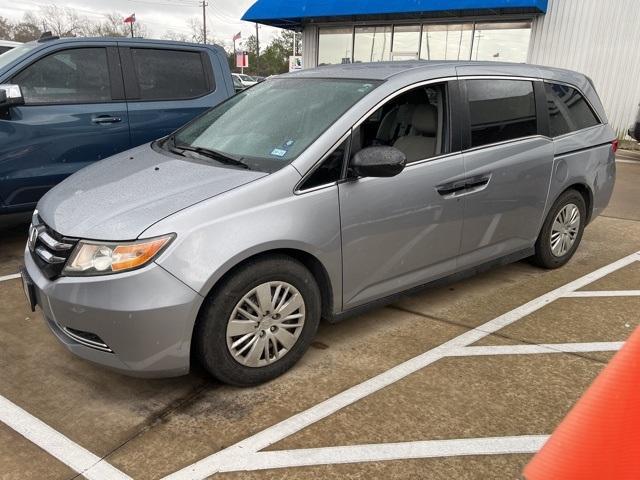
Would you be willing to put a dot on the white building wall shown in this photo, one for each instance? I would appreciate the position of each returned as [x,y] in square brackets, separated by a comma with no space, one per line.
[600,38]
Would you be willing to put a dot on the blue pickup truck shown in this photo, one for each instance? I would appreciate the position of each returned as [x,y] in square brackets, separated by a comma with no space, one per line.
[65,103]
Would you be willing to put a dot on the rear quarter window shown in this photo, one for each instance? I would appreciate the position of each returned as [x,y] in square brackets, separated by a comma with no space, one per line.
[568,110]
[169,74]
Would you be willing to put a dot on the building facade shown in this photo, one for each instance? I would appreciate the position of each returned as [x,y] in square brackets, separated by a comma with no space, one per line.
[596,37]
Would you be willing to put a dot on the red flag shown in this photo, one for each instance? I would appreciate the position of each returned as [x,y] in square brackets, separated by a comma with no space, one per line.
[237,36]
[130,19]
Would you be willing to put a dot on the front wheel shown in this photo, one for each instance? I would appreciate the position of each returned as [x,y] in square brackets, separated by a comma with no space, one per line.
[259,321]
[562,231]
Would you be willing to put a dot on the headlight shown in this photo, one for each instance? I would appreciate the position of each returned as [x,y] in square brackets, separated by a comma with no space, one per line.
[100,258]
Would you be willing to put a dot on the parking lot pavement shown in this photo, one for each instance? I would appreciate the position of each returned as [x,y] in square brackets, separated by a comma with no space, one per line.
[448,383]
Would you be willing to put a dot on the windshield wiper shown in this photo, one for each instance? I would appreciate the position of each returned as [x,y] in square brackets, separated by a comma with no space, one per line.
[179,148]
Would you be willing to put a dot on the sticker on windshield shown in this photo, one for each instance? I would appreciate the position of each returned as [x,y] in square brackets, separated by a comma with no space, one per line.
[278,152]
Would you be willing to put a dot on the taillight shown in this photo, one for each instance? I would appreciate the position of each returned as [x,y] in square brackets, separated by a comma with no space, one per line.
[614,145]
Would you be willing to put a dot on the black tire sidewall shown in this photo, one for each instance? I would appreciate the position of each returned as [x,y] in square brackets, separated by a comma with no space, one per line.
[210,331]
[544,257]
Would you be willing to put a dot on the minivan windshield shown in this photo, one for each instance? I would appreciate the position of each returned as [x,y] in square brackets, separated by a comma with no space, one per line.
[10,55]
[270,124]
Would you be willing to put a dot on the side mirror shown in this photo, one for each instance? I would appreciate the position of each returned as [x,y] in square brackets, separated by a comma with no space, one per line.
[379,161]
[10,95]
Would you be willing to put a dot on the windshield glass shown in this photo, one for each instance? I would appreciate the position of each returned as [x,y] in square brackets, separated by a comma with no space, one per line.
[11,55]
[271,123]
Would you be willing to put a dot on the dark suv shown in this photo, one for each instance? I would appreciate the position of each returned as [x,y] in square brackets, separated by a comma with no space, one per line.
[634,131]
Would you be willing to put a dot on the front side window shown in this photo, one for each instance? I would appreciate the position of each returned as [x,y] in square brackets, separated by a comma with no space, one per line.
[568,110]
[169,74]
[79,75]
[271,123]
[334,45]
[501,110]
[415,123]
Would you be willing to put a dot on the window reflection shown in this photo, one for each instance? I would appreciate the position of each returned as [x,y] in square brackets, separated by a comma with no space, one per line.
[507,42]
[499,41]
[446,42]
[372,44]
[406,42]
[334,45]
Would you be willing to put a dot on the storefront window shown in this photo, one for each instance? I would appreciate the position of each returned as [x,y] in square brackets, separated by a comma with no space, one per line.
[372,44]
[334,45]
[406,42]
[507,42]
[446,42]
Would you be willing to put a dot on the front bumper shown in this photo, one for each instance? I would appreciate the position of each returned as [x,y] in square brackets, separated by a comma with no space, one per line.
[144,317]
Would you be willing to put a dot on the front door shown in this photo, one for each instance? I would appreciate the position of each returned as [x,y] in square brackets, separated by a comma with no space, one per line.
[403,231]
[70,119]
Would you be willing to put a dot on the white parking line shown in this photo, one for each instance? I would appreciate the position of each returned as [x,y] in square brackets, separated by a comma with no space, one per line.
[619,160]
[604,293]
[53,442]
[13,276]
[238,454]
[305,457]
[482,350]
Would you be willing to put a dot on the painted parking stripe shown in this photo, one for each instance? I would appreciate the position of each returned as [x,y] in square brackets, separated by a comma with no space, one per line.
[536,349]
[56,444]
[13,276]
[390,451]
[604,293]
[238,453]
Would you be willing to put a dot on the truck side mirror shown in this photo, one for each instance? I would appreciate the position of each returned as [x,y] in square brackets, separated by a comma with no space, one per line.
[10,95]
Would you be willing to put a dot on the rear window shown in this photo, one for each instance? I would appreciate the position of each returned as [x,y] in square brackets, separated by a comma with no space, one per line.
[568,110]
[501,110]
[169,74]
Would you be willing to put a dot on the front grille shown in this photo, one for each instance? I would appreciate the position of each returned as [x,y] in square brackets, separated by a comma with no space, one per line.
[50,250]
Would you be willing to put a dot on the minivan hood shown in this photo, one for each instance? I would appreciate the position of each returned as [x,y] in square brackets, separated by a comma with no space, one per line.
[120,197]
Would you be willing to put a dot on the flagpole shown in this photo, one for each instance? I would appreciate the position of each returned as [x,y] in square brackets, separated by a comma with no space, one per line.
[131,25]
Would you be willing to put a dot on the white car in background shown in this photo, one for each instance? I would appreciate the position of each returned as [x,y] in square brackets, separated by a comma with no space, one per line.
[245,80]
[6,45]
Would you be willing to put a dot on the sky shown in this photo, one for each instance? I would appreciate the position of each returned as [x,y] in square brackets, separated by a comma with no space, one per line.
[158,16]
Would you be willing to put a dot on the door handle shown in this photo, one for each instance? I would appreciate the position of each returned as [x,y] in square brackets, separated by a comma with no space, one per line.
[105,119]
[464,187]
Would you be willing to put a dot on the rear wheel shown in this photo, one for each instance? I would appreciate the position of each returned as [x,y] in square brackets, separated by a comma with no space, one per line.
[562,231]
[259,322]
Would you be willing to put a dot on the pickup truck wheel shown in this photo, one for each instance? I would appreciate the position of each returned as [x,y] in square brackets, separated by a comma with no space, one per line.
[562,231]
[259,322]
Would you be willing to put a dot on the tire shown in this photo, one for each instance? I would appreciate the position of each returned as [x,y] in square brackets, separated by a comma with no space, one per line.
[545,256]
[253,366]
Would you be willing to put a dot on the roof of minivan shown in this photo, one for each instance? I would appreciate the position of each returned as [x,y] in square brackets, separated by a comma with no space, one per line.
[412,68]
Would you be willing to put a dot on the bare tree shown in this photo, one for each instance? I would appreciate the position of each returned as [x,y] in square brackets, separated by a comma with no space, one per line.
[63,21]
[6,29]
[27,29]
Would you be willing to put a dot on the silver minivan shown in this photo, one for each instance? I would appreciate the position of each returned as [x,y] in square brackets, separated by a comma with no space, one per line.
[314,195]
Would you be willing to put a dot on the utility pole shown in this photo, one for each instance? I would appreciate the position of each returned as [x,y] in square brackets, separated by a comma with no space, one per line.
[204,4]
[257,51]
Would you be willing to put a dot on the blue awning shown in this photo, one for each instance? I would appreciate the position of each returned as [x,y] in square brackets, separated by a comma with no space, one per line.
[293,13]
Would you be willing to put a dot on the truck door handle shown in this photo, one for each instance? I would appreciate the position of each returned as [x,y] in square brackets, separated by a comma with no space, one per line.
[452,189]
[105,119]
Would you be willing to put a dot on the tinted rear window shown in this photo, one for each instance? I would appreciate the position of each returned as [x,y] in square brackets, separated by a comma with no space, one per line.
[501,110]
[169,74]
[568,110]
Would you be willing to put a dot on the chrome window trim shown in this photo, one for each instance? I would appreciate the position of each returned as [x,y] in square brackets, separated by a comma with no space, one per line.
[582,130]
[506,142]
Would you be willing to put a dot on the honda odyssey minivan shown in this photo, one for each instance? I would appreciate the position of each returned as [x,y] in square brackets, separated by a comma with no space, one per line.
[314,195]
